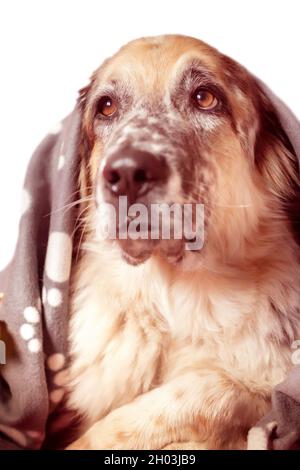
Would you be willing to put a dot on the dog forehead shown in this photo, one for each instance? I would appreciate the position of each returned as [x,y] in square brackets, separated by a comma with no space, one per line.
[151,63]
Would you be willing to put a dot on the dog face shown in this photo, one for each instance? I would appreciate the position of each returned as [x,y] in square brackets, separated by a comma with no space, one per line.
[172,120]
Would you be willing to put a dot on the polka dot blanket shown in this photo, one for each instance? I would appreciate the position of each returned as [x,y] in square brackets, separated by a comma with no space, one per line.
[34,294]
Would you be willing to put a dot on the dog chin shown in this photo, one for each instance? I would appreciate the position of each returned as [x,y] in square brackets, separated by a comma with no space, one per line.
[134,260]
[136,252]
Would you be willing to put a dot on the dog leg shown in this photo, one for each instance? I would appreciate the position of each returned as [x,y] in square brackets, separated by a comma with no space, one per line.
[198,406]
[191,445]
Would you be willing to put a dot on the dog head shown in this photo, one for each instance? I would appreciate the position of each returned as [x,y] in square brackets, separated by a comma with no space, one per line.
[171,120]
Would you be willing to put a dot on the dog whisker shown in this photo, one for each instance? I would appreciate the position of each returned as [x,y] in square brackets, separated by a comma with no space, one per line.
[70,205]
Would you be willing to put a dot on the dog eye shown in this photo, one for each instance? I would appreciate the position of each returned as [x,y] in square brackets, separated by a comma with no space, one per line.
[205,99]
[107,106]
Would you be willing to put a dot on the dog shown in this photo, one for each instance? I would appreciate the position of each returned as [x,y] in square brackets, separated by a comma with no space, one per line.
[174,348]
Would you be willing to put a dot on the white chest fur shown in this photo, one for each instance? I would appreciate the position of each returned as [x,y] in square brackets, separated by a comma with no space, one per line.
[135,327]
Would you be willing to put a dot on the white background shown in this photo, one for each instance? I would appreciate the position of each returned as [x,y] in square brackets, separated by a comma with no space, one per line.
[50,47]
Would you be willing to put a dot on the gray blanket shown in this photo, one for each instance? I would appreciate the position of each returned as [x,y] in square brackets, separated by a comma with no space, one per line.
[34,295]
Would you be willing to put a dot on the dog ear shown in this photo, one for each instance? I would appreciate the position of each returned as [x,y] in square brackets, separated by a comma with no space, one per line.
[275,156]
[278,162]
[83,94]
[85,144]
[83,101]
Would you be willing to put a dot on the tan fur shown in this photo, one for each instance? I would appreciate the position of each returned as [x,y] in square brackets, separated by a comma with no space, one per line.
[186,356]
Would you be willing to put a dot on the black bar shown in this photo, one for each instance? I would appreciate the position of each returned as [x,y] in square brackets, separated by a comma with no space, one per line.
[136,459]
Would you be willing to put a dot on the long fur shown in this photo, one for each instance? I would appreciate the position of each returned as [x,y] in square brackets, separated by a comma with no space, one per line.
[186,356]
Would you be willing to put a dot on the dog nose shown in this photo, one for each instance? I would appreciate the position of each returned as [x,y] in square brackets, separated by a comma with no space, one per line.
[134,173]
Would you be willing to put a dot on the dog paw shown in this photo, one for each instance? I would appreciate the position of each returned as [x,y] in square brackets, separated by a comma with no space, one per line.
[111,433]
